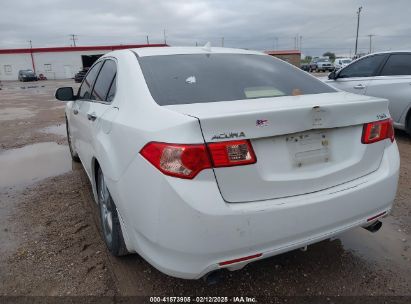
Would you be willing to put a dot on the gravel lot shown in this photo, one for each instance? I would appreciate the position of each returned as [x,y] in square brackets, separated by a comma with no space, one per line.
[50,233]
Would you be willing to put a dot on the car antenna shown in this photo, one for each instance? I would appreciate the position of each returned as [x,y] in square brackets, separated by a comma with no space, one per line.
[207,47]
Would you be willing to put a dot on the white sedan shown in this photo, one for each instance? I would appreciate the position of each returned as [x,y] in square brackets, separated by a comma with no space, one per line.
[385,75]
[210,158]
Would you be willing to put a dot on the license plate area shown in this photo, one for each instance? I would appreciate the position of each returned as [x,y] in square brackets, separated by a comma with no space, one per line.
[309,147]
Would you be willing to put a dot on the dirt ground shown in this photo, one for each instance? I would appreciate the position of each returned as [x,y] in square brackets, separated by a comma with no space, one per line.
[50,235]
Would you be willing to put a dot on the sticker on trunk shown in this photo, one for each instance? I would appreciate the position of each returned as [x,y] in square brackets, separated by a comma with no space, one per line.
[261,123]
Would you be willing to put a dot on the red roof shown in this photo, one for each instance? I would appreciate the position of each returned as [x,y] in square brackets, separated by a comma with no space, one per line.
[283,52]
[78,48]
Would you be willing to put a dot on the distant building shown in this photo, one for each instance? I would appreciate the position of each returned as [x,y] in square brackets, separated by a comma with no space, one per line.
[54,62]
[291,56]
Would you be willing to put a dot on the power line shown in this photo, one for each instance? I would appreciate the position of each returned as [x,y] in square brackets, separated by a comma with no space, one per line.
[73,38]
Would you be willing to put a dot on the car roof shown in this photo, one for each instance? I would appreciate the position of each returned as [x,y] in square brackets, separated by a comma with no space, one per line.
[379,53]
[158,51]
[391,52]
[385,52]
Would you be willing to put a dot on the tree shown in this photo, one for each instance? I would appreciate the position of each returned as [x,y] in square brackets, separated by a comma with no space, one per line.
[307,59]
[329,55]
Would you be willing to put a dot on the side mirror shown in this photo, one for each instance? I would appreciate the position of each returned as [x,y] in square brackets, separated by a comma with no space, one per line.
[333,75]
[65,94]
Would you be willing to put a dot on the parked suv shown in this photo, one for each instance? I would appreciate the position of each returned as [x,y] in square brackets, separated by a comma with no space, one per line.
[321,65]
[27,75]
[386,75]
[341,62]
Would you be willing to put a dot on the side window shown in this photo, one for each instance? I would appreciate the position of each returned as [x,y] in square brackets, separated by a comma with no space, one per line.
[397,64]
[112,92]
[87,85]
[363,68]
[104,80]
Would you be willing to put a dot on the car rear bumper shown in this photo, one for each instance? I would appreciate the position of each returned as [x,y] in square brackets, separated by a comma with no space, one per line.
[185,229]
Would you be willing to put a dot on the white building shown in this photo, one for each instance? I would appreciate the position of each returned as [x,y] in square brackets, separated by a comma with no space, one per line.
[54,62]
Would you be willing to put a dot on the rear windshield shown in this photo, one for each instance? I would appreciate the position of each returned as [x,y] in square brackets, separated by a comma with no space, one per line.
[200,78]
[26,72]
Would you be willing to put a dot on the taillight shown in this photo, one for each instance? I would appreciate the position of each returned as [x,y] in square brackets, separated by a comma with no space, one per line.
[232,153]
[378,130]
[186,161]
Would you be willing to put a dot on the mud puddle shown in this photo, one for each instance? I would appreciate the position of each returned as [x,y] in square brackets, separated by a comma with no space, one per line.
[59,129]
[31,163]
[15,113]
[390,245]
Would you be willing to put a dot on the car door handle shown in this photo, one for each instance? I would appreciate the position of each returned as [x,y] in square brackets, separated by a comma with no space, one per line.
[75,111]
[92,116]
[359,86]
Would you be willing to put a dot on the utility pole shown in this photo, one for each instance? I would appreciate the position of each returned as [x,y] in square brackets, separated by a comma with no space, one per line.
[222,41]
[73,38]
[371,35]
[164,34]
[31,55]
[148,42]
[301,43]
[358,27]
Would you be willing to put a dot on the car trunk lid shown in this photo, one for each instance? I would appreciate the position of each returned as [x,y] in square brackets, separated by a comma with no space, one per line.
[302,143]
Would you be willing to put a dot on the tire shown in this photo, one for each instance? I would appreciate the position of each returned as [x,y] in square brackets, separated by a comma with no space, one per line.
[74,155]
[110,223]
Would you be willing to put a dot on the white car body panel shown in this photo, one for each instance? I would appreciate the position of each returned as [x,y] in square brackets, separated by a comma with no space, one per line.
[186,233]
[356,85]
[285,166]
[184,227]
[395,88]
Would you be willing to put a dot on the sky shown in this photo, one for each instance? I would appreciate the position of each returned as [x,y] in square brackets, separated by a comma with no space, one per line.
[323,25]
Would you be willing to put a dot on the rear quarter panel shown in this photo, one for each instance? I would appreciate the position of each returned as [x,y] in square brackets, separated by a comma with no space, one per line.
[397,89]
